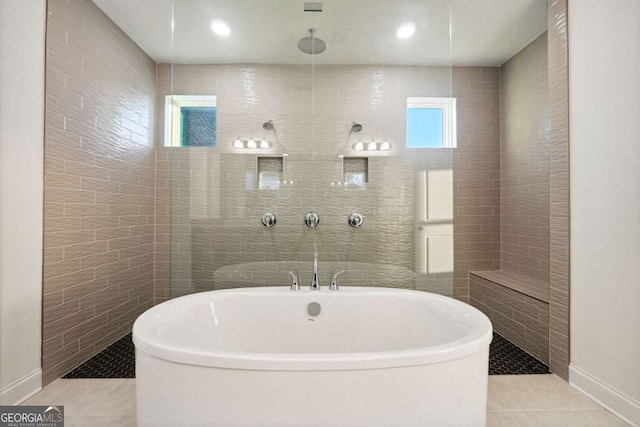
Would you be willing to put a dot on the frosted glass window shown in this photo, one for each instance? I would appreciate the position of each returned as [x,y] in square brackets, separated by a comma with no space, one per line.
[198,125]
[190,121]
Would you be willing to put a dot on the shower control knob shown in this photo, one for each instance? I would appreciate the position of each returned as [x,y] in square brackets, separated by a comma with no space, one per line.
[268,219]
[312,219]
[355,220]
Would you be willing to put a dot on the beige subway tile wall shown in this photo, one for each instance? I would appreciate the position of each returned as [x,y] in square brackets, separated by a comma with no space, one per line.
[163,226]
[559,292]
[215,202]
[476,170]
[521,280]
[129,224]
[524,162]
[521,319]
[99,185]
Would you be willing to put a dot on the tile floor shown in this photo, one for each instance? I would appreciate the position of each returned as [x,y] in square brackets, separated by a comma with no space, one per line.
[514,400]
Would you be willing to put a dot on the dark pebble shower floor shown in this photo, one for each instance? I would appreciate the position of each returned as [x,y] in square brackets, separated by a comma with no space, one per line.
[118,361]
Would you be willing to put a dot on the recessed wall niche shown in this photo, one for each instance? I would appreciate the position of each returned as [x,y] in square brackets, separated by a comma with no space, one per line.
[270,172]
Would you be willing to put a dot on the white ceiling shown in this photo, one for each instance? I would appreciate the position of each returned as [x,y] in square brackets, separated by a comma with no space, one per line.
[484,32]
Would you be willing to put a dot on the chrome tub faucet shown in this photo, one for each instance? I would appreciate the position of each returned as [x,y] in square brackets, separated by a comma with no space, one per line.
[334,280]
[294,280]
[315,285]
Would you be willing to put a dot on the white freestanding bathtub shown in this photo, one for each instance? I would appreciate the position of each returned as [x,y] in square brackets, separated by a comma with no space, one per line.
[263,357]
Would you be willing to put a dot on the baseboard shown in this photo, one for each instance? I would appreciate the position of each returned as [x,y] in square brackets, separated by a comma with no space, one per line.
[620,404]
[22,389]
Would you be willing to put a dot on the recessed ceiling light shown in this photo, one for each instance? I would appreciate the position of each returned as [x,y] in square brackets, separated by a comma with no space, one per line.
[220,28]
[406,30]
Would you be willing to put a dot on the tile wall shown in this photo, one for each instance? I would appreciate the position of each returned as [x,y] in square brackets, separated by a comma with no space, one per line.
[559,291]
[99,185]
[476,170]
[521,319]
[216,205]
[122,214]
[516,297]
[524,163]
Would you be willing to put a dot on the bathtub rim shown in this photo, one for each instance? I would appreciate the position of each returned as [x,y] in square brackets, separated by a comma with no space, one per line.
[478,338]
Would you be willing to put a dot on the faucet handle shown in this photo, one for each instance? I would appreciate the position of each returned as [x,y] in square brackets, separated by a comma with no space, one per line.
[334,280]
[295,286]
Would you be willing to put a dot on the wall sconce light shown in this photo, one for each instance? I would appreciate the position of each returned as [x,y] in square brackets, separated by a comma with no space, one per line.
[372,146]
[252,144]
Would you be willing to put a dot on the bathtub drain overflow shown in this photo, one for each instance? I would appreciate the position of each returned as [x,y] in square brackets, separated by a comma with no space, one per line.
[313,309]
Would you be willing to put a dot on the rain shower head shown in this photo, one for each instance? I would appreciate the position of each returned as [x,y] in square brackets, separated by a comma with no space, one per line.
[268,125]
[311,44]
[356,127]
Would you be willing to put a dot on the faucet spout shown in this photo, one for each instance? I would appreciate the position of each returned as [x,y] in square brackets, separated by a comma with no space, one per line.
[315,284]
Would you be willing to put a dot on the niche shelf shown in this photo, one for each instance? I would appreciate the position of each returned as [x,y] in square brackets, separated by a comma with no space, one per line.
[270,172]
[355,172]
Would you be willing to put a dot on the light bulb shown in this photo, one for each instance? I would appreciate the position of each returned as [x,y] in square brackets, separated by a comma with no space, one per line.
[238,143]
[220,28]
[251,143]
[358,146]
[385,146]
[406,30]
[372,146]
[264,143]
